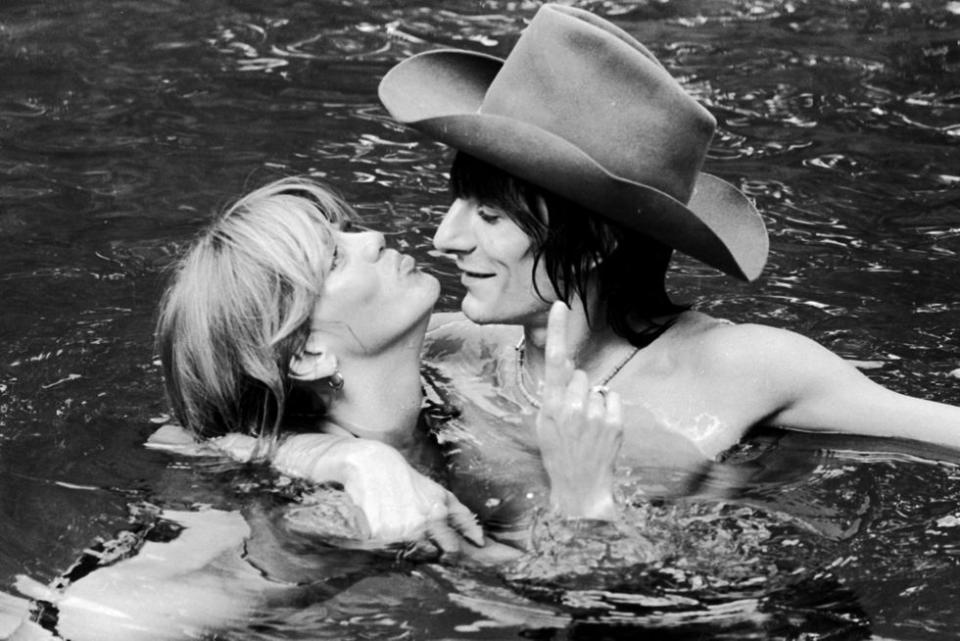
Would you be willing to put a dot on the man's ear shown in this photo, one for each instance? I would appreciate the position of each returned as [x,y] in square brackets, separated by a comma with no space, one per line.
[543,212]
[314,362]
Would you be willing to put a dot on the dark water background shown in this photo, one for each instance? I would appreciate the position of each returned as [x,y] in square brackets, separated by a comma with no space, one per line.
[125,123]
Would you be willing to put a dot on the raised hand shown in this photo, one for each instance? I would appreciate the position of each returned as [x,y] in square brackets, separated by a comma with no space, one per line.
[579,429]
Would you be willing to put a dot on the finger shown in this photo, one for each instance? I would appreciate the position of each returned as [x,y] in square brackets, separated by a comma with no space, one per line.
[422,550]
[576,398]
[558,366]
[597,406]
[464,521]
[444,537]
[614,413]
[614,418]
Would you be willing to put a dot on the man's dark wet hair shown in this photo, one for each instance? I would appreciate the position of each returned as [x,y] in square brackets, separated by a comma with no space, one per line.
[631,266]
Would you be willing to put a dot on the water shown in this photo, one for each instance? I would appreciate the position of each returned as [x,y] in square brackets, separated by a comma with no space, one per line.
[123,124]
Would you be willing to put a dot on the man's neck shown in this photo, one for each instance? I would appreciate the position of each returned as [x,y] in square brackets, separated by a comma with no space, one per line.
[586,343]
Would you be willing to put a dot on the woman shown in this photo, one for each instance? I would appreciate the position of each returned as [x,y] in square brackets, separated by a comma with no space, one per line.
[577,174]
[278,312]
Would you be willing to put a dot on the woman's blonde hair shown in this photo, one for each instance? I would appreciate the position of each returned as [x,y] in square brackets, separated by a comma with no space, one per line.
[239,304]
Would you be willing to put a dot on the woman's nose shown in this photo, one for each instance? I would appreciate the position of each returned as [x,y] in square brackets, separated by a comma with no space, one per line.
[368,244]
[374,243]
[453,235]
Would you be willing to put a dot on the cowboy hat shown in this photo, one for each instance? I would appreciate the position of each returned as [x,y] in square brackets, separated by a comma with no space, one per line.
[582,109]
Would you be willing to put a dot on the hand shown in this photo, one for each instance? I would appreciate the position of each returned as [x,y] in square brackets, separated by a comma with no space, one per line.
[580,431]
[400,504]
[397,505]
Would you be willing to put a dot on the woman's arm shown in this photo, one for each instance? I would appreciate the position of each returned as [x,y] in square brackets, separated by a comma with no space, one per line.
[399,503]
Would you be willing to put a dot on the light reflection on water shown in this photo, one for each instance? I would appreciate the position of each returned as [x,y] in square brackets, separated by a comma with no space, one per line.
[125,122]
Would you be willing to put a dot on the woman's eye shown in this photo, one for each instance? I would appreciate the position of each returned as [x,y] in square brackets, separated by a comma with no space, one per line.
[347,225]
[336,257]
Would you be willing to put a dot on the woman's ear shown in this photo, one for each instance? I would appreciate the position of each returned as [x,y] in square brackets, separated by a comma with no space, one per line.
[314,362]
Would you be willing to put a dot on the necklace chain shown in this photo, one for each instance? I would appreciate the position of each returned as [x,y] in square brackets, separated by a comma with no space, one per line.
[533,400]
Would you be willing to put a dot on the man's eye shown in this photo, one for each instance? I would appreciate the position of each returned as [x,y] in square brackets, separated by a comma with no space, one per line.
[487,215]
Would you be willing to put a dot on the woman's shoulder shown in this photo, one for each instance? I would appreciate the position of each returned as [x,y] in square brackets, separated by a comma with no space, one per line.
[440,321]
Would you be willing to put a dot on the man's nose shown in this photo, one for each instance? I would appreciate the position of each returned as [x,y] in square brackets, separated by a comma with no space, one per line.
[453,235]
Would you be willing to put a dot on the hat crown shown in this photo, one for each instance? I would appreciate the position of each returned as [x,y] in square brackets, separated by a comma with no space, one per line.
[592,84]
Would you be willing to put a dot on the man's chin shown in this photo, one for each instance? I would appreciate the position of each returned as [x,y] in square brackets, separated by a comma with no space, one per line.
[508,314]
[476,312]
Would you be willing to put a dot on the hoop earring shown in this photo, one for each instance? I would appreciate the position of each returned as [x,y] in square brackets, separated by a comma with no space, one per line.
[335,381]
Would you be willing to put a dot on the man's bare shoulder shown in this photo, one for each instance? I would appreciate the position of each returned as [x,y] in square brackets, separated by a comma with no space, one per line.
[720,346]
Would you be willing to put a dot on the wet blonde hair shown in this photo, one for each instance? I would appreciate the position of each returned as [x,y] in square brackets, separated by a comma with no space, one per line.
[238,307]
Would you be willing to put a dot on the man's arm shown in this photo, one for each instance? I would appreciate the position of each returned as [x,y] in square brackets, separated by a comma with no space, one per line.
[810,388]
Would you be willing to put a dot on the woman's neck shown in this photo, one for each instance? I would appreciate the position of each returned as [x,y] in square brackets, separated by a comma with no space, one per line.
[381,396]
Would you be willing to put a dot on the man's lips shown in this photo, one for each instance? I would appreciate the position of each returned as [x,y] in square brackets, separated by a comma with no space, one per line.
[466,273]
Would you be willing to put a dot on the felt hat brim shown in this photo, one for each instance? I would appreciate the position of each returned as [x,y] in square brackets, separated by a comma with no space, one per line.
[441,93]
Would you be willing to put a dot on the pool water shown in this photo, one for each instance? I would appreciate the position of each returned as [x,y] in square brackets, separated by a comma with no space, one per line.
[125,123]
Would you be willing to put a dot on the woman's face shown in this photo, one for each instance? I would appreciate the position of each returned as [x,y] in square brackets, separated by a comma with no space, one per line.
[495,258]
[372,296]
